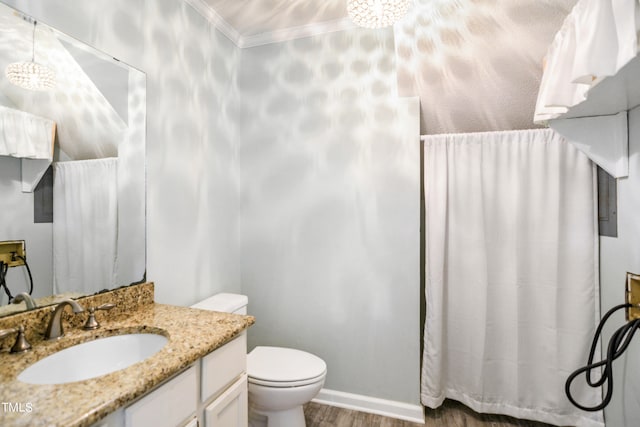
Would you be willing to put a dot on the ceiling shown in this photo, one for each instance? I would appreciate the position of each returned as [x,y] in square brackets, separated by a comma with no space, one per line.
[255,22]
[475,64]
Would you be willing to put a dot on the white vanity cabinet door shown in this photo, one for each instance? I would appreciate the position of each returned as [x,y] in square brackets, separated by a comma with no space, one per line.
[167,406]
[230,409]
[223,366]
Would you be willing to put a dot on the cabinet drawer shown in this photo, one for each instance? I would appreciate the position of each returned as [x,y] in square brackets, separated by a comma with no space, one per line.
[223,366]
[167,406]
[231,408]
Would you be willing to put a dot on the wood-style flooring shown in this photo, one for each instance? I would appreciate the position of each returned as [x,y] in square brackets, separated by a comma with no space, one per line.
[451,414]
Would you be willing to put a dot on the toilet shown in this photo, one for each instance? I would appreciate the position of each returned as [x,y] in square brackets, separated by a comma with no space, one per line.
[280,379]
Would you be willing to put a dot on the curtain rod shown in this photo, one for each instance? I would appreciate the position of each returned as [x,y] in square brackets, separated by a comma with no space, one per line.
[423,137]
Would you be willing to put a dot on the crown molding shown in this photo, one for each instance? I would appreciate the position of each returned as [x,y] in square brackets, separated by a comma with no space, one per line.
[292,33]
[218,21]
[276,36]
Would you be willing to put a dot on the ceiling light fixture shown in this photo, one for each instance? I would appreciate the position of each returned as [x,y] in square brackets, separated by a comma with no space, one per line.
[31,75]
[377,13]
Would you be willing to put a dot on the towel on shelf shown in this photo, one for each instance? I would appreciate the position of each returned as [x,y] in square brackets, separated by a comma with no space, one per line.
[26,135]
[596,40]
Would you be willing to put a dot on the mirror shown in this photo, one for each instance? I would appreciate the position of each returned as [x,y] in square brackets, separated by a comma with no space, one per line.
[97,238]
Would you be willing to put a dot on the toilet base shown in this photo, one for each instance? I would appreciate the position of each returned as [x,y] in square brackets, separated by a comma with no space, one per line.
[293,417]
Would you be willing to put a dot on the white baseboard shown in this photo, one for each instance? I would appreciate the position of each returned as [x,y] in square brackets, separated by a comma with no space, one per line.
[372,405]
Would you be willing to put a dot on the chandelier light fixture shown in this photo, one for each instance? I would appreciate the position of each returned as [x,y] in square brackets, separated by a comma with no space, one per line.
[377,13]
[31,75]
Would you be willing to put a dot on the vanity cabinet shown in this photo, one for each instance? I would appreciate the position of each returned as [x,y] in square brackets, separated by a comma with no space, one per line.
[212,392]
[223,392]
[173,404]
[230,409]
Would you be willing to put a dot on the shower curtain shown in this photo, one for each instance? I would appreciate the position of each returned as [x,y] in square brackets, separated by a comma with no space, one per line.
[511,273]
[85,225]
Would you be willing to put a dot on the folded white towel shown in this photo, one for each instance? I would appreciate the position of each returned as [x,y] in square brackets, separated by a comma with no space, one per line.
[596,40]
[25,135]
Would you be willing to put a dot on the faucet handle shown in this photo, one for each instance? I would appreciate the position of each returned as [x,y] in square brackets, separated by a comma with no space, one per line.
[92,323]
[21,345]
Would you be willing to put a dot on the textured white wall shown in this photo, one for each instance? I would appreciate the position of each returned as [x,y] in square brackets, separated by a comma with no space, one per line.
[192,187]
[617,257]
[330,208]
[192,204]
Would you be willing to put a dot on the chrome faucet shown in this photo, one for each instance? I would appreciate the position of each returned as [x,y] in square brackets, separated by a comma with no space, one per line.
[23,296]
[54,330]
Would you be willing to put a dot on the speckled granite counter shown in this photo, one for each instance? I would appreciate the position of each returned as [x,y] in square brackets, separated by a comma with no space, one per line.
[192,334]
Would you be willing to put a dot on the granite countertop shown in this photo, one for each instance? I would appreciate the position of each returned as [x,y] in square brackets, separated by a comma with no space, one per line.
[192,334]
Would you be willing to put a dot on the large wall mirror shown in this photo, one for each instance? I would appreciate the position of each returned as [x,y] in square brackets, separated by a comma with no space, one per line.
[96,238]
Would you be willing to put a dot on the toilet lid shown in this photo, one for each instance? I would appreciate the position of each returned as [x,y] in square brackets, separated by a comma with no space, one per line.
[286,365]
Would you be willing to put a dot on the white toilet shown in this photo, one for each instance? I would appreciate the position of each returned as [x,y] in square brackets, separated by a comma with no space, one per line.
[281,380]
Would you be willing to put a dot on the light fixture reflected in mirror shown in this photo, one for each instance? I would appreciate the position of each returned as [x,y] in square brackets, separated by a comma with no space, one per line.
[377,13]
[31,75]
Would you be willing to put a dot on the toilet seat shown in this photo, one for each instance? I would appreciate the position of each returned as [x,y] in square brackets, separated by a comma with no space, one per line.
[276,384]
[284,367]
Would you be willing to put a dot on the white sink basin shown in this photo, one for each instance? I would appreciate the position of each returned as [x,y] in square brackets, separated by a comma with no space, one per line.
[93,359]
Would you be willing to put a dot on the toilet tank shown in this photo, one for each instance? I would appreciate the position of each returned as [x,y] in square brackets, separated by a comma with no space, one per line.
[226,303]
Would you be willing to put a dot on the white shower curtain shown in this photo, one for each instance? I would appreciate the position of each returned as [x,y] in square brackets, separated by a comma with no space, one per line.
[511,273]
[85,225]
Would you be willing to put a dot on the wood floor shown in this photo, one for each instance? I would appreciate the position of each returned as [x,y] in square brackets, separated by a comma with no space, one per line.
[451,414]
